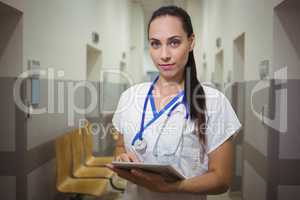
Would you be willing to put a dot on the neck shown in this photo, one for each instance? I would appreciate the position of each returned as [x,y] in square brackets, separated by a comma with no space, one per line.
[170,85]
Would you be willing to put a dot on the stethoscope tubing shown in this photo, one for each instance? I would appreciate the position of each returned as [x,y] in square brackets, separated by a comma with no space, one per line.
[139,135]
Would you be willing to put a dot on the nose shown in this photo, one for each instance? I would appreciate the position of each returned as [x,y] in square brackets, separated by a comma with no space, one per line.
[165,54]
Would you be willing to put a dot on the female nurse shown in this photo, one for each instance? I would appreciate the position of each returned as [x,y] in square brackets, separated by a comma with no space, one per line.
[175,120]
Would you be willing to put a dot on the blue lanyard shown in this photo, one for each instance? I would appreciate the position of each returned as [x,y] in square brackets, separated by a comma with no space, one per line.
[139,135]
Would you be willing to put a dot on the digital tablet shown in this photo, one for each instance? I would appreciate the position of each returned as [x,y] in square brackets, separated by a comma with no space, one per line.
[167,171]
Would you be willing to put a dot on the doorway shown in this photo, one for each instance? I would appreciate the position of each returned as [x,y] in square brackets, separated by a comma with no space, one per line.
[94,63]
[238,93]
[219,70]
[238,103]
[239,58]
[93,69]
[204,72]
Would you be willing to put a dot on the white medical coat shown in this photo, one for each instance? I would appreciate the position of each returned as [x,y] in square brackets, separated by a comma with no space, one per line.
[222,123]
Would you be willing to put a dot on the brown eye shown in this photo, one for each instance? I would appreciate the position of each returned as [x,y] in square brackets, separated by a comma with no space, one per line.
[155,44]
[175,43]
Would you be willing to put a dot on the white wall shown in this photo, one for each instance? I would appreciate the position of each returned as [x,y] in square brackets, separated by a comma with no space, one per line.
[113,16]
[56,33]
[195,10]
[268,36]
[148,63]
[228,20]
[135,67]
[121,31]
[59,40]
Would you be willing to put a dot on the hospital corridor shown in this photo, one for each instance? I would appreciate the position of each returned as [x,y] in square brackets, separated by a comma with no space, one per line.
[65,66]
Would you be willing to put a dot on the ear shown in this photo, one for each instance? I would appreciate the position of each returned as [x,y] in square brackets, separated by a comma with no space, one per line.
[192,42]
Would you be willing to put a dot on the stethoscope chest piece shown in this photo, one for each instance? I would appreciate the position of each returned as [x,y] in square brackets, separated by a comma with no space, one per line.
[140,146]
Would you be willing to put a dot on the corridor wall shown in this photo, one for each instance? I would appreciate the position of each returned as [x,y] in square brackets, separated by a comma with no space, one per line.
[56,34]
[270,152]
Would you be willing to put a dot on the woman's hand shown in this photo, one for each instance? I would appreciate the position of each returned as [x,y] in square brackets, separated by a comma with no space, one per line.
[128,157]
[151,181]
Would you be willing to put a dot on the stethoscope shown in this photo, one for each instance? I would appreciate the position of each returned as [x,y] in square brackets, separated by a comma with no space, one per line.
[139,144]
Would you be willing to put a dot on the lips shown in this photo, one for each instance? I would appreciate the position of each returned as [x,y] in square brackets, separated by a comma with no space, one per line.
[167,67]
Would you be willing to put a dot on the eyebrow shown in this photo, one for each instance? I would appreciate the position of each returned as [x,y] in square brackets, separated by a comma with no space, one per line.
[170,38]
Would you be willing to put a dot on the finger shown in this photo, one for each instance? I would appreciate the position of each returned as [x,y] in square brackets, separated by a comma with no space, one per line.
[134,179]
[110,166]
[126,175]
[141,174]
[124,157]
[133,157]
[122,173]
[147,175]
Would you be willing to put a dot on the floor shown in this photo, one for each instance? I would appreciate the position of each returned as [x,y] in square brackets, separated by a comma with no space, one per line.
[113,195]
[226,196]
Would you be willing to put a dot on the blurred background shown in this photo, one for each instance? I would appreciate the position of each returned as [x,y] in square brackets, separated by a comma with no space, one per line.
[249,50]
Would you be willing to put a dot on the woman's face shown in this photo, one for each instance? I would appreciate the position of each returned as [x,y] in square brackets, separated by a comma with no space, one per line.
[169,46]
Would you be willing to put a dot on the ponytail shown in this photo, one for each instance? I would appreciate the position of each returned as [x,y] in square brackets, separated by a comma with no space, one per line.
[195,97]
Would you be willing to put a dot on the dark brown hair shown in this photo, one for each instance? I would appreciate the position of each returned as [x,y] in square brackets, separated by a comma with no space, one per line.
[193,88]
